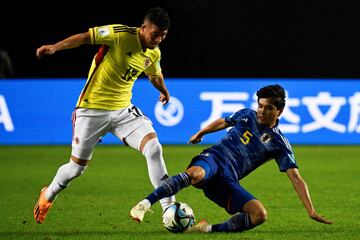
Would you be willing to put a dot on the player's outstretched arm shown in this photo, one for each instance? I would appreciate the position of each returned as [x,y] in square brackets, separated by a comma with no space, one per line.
[215,126]
[304,195]
[68,43]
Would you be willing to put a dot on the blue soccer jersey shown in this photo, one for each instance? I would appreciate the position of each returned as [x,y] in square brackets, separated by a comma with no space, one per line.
[247,145]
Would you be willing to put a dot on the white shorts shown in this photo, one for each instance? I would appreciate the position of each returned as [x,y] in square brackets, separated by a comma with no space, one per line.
[89,125]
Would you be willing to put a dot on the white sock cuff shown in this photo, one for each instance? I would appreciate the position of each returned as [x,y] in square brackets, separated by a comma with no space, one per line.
[77,168]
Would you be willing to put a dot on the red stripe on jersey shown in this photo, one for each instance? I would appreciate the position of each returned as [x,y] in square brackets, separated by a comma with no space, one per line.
[101,54]
[98,58]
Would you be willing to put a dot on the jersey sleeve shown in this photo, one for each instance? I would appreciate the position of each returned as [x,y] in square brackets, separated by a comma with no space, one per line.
[154,68]
[235,117]
[103,35]
[285,159]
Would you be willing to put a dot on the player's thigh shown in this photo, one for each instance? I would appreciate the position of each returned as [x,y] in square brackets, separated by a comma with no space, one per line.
[238,198]
[228,195]
[132,126]
[88,126]
[216,191]
[135,138]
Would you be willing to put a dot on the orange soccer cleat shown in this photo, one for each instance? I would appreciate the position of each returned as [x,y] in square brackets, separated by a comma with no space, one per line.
[41,207]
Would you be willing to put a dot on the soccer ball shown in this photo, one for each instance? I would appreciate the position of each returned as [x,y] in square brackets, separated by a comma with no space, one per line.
[178,217]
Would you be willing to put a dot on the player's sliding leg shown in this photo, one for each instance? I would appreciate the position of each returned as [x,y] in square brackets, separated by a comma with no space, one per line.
[249,212]
[64,175]
[167,188]
[237,223]
[198,171]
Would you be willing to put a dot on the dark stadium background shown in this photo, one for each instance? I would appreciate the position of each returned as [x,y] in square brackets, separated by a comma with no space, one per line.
[267,39]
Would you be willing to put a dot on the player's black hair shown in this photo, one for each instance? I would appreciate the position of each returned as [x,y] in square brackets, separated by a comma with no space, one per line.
[159,17]
[276,92]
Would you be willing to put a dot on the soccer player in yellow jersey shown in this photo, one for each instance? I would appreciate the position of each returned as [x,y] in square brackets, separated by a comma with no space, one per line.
[104,104]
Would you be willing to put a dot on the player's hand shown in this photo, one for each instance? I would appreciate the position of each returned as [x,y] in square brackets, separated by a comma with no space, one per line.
[45,50]
[319,218]
[164,98]
[196,138]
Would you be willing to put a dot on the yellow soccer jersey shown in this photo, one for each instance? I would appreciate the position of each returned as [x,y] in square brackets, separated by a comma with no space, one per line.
[116,66]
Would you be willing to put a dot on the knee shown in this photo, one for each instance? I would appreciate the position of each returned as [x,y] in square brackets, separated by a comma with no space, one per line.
[259,217]
[256,211]
[196,174]
[152,148]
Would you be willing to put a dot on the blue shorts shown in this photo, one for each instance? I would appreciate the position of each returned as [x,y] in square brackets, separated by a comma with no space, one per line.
[220,184]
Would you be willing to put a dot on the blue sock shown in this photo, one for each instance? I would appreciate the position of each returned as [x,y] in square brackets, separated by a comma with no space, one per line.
[237,223]
[170,187]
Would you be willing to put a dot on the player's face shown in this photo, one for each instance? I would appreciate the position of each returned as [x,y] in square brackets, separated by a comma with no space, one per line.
[151,35]
[267,113]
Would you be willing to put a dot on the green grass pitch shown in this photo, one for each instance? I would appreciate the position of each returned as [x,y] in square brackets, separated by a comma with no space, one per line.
[97,204]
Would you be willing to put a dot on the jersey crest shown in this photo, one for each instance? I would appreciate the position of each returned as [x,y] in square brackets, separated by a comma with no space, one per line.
[146,62]
[265,138]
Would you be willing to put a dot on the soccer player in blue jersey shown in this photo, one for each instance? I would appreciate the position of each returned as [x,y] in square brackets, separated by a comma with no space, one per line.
[254,138]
